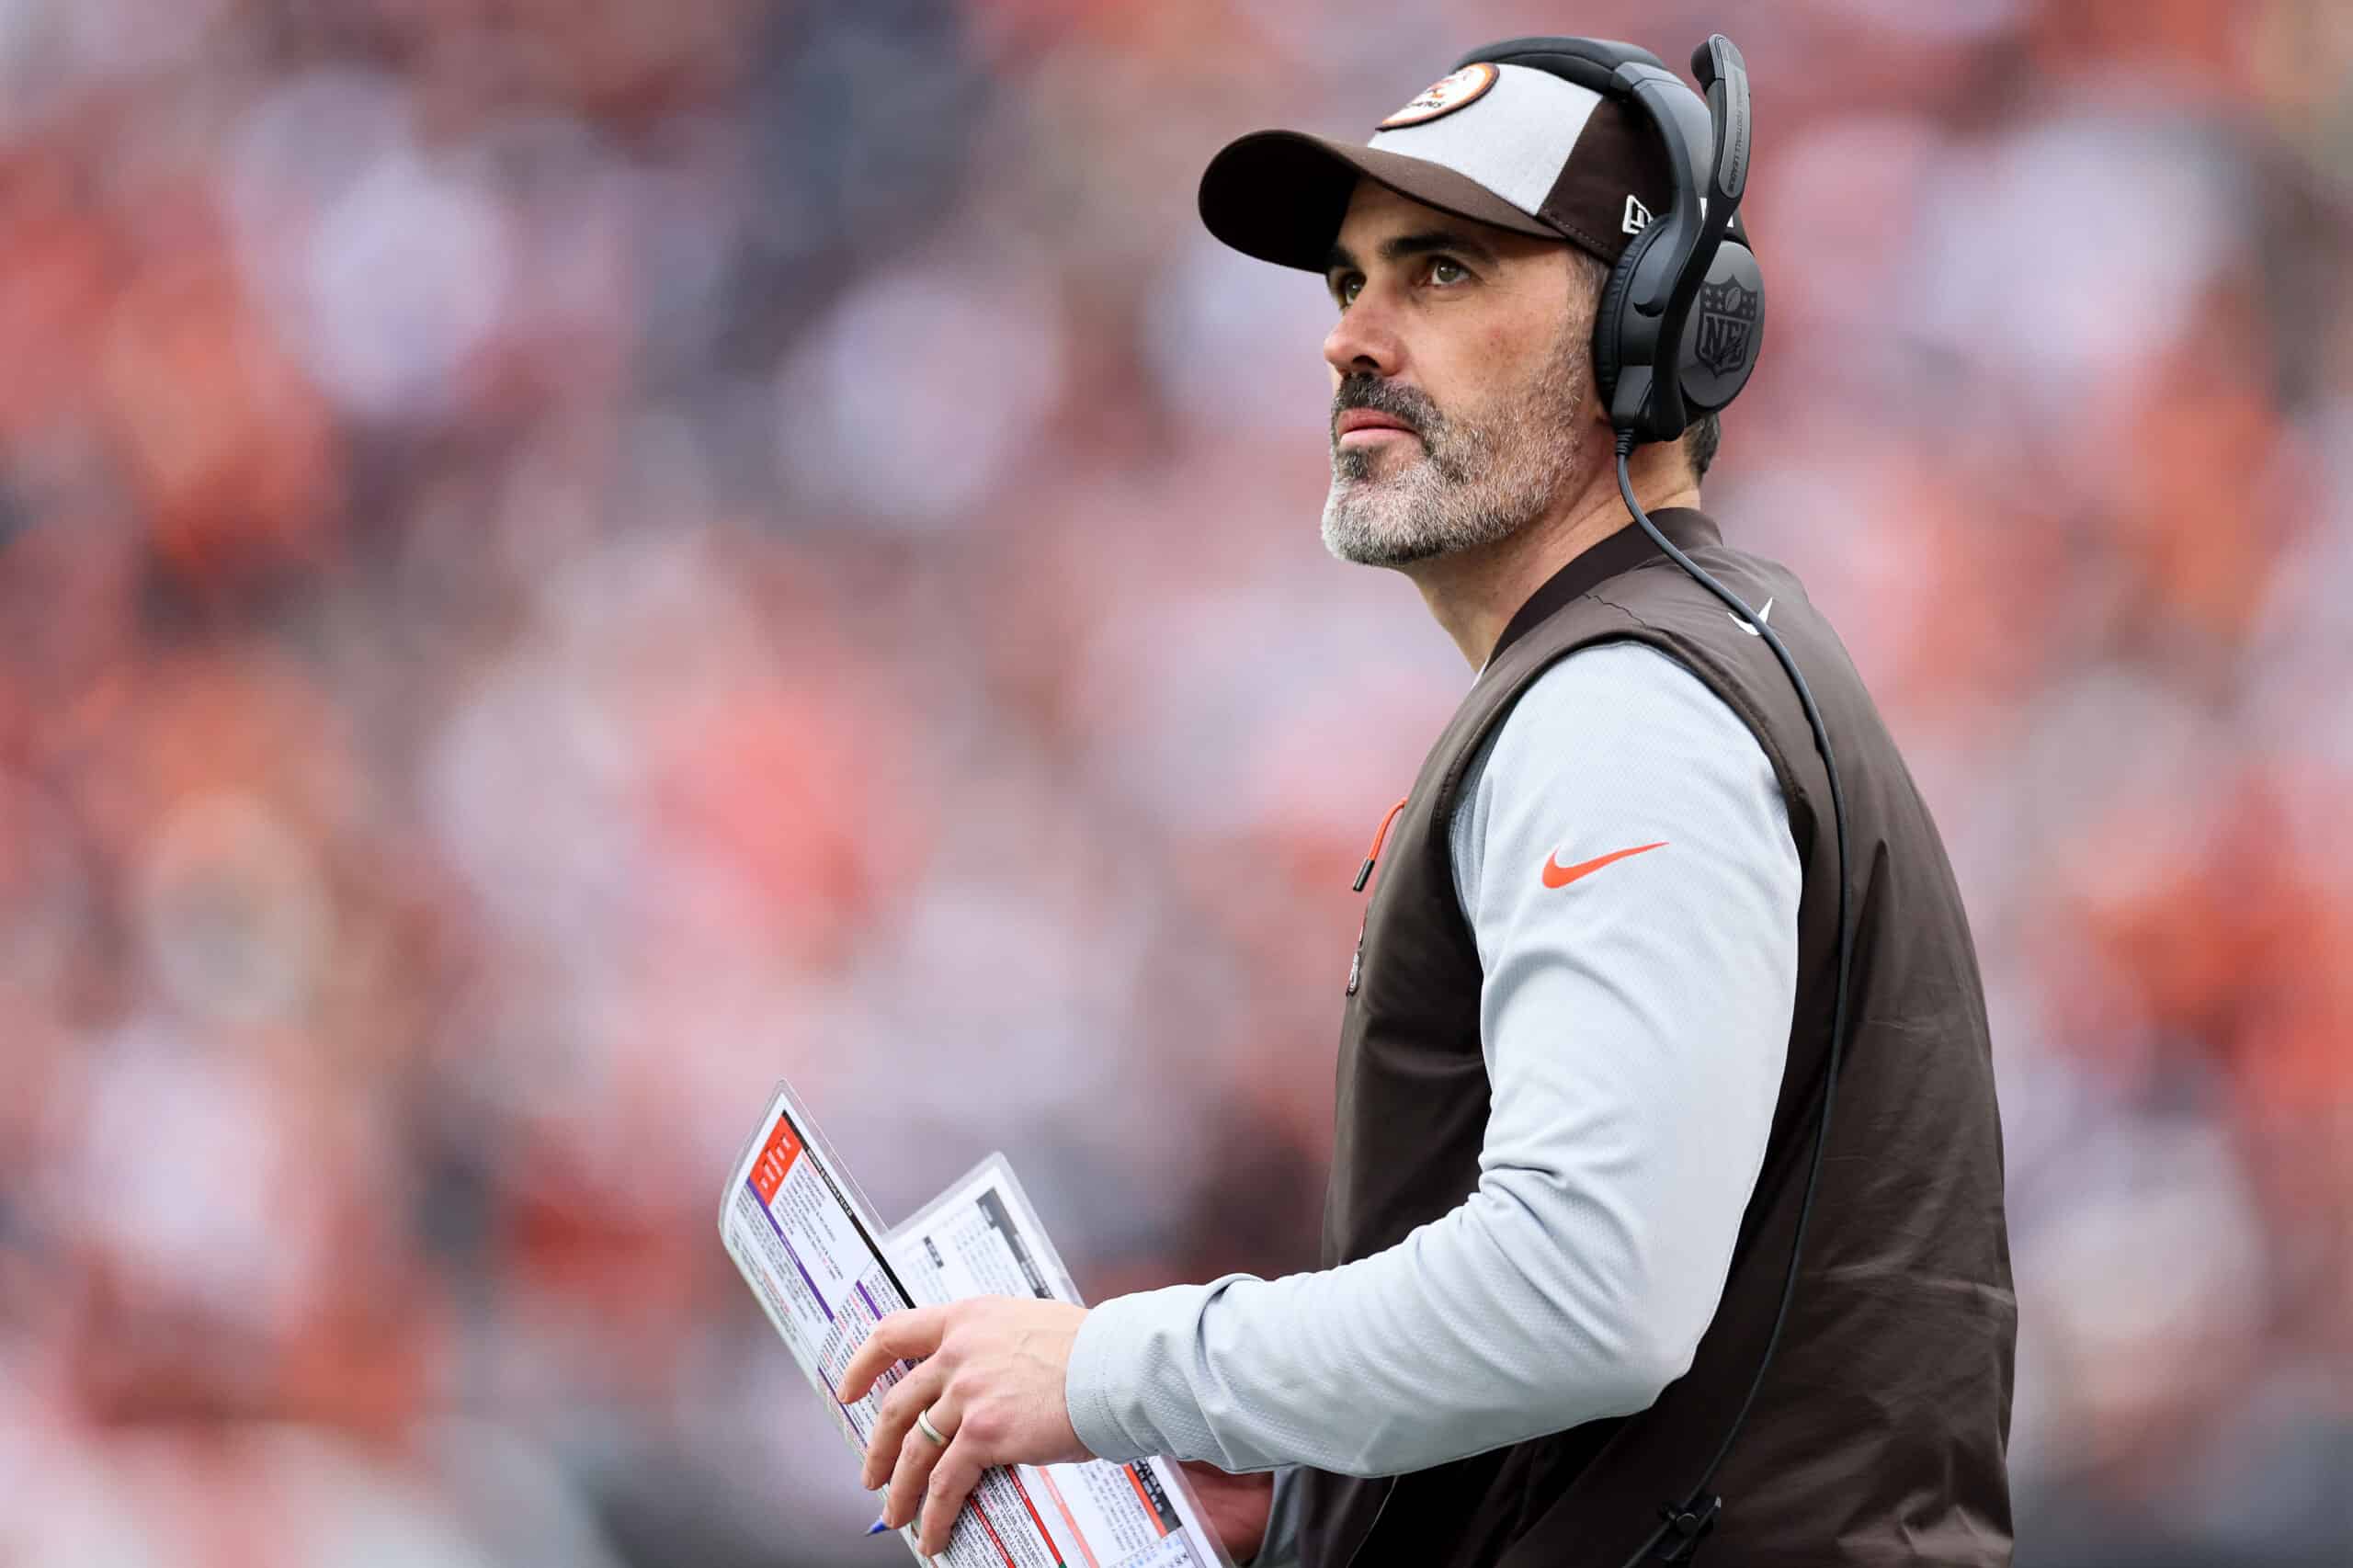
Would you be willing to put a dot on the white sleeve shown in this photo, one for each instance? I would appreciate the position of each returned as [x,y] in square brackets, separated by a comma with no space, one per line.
[1625,862]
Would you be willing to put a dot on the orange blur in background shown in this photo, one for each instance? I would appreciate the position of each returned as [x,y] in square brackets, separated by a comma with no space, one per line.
[559,563]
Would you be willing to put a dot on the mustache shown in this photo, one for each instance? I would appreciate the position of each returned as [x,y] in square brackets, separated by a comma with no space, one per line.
[1369,392]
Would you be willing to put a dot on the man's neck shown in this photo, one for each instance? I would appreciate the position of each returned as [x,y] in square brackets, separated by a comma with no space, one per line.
[1473,595]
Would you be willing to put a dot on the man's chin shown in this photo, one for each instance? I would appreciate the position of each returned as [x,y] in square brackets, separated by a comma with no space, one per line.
[1391,553]
[1398,524]
[1355,536]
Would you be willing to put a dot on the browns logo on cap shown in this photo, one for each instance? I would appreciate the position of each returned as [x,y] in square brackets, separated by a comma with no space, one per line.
[1444,95]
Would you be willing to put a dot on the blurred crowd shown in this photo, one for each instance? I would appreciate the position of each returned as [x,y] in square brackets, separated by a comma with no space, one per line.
[563,559]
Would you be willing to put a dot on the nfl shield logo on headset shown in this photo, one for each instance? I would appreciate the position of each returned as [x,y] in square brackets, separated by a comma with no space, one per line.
[1727,325]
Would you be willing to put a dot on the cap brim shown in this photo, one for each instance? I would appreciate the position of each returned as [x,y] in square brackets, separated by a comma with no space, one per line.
[1279,195]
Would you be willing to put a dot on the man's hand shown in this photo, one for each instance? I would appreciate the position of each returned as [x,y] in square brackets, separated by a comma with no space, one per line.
[1237,1505]
[991,1382]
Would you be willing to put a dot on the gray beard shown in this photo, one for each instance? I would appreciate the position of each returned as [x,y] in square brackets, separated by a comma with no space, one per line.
[1476,482]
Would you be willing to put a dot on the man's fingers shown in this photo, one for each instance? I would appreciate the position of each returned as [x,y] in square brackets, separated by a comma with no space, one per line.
[952,1480]
[896,1418]
[902,1336]
[916,1458]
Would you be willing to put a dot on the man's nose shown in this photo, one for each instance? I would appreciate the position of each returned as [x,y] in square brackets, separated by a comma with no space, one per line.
[1363,341]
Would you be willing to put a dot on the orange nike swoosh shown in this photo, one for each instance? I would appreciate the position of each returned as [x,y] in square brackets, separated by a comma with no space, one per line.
[1559,876]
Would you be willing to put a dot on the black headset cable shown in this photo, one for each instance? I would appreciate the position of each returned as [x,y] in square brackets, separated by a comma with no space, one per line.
[1695,1515]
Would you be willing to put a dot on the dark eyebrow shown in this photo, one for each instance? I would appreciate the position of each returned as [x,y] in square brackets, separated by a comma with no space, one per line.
[1422,243]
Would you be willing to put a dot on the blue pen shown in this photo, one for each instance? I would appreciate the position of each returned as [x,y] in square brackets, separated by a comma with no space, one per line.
[877,1526]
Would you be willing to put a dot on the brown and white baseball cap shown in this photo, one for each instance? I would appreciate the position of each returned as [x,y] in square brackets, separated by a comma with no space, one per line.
[1509,145]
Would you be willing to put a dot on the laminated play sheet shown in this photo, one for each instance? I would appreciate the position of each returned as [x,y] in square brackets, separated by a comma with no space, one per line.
[826,1272]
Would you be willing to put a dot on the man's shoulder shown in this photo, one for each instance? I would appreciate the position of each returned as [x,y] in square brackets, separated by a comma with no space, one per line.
[1606,745]
[1608,688]
[1622,703]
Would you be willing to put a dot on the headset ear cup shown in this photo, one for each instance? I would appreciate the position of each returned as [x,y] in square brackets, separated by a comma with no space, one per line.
[1725,331]
[1609,317]
[1605,324]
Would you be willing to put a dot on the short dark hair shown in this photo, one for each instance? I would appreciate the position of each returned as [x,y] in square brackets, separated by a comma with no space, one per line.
[1700,441]
[1703,434]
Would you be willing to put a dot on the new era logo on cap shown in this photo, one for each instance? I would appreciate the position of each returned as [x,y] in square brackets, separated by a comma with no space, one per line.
[1638,217]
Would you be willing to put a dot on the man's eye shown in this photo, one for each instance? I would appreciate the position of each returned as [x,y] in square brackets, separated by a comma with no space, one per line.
[1444,271]
[1346,292]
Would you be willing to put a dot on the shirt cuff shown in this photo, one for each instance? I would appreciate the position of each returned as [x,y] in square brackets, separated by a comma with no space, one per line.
[1101,1388]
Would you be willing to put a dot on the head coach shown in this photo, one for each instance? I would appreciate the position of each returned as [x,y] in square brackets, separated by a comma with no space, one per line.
[1665,1205]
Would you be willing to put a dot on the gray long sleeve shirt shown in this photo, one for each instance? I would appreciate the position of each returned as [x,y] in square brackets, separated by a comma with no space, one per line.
[1634,1017]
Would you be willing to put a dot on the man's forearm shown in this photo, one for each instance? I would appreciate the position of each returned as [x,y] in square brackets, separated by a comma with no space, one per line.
[1444,1345]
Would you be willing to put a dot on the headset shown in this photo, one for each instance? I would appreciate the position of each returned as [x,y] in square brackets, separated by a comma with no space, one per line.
[1659,365]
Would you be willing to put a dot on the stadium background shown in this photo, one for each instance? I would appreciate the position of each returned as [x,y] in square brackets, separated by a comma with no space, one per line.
[559,561]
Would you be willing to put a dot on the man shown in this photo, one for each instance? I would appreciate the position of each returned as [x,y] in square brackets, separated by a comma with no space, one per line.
[1586,1031]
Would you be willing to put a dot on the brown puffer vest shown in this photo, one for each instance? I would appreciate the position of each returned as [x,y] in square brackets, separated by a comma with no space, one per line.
[1879,1435]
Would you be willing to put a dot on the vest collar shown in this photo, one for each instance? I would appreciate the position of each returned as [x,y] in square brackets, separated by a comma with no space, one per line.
[1622,552]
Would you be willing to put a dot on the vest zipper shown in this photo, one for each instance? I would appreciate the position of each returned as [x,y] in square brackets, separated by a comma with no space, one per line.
[1356,973]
